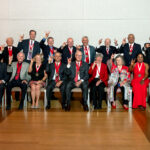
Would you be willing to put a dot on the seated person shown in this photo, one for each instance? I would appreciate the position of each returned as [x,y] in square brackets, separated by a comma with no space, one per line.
[98,80]
[19,78]
[38,78]
[77,72]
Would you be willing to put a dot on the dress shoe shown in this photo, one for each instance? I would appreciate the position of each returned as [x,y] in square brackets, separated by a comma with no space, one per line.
[67,107]
[48,107]
[125,107]
[85,107]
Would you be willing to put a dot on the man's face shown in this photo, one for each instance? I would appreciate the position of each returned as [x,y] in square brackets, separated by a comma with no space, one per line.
[9,42]
[20,57]
[70,42]
[32,35]
[57,57]
[85,41]
[131,38]
[50,42]
[78,56]
[107,42]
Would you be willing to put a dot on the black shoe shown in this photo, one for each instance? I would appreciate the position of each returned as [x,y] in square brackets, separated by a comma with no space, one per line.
[8,108]
[20,107]
[67,108]
[85,107]
[48,107]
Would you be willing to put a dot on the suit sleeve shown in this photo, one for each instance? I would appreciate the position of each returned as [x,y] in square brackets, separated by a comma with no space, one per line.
[42,45]
[99,50]
[20,45]
[5,73]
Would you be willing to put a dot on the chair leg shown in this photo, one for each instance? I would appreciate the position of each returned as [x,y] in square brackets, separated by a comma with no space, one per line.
[25,100]
[45,99]
[88,100]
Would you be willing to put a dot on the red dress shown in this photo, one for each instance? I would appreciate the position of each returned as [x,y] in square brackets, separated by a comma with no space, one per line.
[139,91]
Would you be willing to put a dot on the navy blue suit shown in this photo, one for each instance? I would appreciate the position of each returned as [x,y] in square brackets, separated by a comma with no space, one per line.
[92,53]
[24,45]
[125,50]
[102,49]
[66,54]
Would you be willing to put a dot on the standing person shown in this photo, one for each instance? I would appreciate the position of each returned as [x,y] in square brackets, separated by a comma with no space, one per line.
[88,51]
[119,78]
[19,78]
[56,78]
[98,80]
[77,72]
[140,81]
[68,50]
[48,50]
[38,79]
[130,49]
[30,47]
[107,50]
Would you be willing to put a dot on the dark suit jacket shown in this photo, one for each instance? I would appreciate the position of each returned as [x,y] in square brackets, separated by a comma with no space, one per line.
[50,70]
[102,49]
[125,50]
[24,45]
[92,53]
[46,51]
[3,72]
[83,72]
[5,55]
[66,54]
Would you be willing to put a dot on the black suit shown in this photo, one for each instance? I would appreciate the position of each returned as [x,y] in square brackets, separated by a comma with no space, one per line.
[24,45]
[5,55]
[50,70]
[3,76]
[83,73]
[125,50]
[102,49]
[66,54]
[46,51]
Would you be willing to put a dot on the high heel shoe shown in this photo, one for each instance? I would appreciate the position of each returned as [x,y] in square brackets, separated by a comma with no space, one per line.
[125,107]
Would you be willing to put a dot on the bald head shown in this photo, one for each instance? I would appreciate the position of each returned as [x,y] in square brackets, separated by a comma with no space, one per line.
[20,57]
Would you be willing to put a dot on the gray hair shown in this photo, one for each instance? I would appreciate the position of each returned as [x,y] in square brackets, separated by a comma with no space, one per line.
[85,37]
[99,55]
[121,57]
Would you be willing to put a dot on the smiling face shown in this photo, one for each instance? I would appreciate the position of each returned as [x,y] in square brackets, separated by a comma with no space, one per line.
[99,60]
[70,42]
[78,56]
[140,58]
[20,57]
[119,61]
[32,35]
[50,41]
[38,59]
[9,41]
[57,57]
[131,38]
[107,42]
[85,41]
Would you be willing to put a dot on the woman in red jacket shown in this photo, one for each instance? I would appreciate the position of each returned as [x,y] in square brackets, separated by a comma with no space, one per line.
[98,80]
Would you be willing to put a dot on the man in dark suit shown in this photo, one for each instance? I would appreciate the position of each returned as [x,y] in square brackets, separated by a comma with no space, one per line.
[56,78]
[48,50]
[107,50]
[88,51]
[30,47]
[68,50]
[78,77]
[19,78]
[3,79]
[8,51]
[130,49]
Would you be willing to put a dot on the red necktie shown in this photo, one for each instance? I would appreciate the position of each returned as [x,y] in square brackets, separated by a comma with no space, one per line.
[51,51]
[77,71]
[86,55]
[19,65]
[10,51]
[131,48]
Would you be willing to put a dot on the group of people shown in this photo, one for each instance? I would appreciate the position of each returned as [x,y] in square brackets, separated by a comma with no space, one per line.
[38,65]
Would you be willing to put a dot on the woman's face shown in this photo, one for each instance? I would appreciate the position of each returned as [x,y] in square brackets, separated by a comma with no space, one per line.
[140,58]
[38,59]
[119,61]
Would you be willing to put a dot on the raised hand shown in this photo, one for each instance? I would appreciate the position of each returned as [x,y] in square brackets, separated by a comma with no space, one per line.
[78,47]
[50,60]
[100,41]
[21,37]
[63,45]
[2,47]
[132,62]
[69,61]
[124,41]
[47,34]
[112,56]
[10,59]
